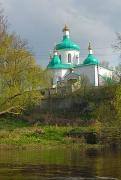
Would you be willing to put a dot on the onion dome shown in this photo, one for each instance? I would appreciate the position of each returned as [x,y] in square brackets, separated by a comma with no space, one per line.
[67,43]
[91,59]
[56,63]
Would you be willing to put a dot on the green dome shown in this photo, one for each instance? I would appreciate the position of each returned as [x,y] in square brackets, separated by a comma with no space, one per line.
[56,63]
[91,59]
[66,43]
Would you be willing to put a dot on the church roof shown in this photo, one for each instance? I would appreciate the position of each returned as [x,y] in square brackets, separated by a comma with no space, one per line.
[67,43]
[91,59]
[72,73]
[56,63]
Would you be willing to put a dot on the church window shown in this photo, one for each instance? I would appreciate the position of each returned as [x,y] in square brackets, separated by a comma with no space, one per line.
[60,57]
[69,58]
[77,57]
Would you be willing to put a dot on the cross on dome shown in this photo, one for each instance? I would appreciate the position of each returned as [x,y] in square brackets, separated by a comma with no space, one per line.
[65,28]
[90,49]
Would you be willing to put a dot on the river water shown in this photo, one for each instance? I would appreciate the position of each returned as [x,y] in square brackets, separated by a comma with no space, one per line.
[59,163]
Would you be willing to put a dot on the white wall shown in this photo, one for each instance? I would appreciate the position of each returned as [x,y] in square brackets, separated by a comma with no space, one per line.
[88,71]
[96,75]
[58,73]
[64,56]
[93,73]
[104,72]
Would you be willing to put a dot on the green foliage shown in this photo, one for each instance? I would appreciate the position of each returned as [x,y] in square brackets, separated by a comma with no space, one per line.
[20,132]
[94,103]
[21,79]
[109,81]
[105,112]
[10,123]
[117,75]
[117,103]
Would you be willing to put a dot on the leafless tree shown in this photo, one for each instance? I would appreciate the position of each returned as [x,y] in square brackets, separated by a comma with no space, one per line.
[117,47]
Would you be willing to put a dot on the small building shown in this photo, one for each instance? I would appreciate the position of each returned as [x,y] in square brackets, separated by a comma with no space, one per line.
[65,63]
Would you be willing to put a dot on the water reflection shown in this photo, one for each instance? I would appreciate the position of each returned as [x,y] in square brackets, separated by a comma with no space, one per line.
[60,164]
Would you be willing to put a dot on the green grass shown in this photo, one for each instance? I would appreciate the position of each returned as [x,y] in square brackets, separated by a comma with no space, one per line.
[12,123]
[19,132]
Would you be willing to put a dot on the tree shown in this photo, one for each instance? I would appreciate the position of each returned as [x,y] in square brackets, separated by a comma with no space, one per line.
[117,102]
[118,73]
[117,47]
[21,79]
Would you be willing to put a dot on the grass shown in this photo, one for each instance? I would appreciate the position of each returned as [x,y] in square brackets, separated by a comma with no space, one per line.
[12,123]
[19,132]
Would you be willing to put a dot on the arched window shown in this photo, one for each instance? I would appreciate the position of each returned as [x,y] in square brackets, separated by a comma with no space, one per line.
[69,58]
[60,57]
[77,57]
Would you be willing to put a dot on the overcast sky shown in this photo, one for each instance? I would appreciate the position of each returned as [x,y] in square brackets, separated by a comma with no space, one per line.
[41,23]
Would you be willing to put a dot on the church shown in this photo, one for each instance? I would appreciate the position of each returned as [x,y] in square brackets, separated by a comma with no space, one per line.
[65,63]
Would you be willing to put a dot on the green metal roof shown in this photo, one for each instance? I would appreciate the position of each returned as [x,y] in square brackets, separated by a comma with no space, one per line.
[83,65]
[67,43]
[73,73]
[61,66]
[91,59]
[56,63]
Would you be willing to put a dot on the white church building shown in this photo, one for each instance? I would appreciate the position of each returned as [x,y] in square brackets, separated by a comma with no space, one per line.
[65,63]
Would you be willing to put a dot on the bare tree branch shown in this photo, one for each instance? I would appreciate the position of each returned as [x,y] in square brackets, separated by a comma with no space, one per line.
[10,110]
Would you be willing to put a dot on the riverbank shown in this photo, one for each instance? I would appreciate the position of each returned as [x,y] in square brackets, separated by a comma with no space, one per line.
[17,133]
[20,132]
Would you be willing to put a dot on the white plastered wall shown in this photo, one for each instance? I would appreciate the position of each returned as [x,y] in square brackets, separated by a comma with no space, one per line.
[88,71]
[64,56]
[93,72]
[57,74]
[104,72]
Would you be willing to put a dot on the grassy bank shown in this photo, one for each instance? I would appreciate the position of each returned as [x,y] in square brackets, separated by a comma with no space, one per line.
[19,132]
